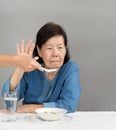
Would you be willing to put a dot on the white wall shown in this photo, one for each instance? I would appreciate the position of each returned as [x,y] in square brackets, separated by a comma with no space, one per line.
[91,29]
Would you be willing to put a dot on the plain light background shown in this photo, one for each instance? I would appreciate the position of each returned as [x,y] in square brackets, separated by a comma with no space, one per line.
[91,30]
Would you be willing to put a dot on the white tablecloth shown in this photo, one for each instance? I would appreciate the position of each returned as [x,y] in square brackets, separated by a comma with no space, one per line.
[73,121]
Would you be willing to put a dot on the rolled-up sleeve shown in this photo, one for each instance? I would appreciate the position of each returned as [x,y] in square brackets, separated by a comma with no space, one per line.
[6,87]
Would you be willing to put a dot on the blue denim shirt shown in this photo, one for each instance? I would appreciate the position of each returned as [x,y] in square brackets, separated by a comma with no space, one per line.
[62,92]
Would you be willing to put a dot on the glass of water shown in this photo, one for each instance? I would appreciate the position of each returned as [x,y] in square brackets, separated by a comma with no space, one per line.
[10,101]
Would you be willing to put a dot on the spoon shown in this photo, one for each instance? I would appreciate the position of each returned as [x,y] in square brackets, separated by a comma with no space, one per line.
[49,70]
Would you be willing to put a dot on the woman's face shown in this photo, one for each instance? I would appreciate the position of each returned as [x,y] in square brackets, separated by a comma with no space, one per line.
[53,52]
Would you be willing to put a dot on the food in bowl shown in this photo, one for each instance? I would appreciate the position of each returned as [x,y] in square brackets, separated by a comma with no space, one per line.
[51,114]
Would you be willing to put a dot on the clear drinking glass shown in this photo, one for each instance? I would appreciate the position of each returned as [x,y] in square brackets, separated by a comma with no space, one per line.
[10,101]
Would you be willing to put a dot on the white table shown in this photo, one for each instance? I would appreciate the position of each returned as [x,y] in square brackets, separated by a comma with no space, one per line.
[72,121]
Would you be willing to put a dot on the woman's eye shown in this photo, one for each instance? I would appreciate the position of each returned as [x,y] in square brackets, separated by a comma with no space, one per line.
[60,47]
[49,48]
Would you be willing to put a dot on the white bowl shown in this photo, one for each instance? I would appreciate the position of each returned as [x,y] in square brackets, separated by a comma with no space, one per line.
[51,114]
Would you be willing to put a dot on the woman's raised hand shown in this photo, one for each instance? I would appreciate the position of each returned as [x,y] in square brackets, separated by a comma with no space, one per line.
[25,53]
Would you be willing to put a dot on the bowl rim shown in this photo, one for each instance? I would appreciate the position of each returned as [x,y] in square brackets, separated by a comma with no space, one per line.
[40,110]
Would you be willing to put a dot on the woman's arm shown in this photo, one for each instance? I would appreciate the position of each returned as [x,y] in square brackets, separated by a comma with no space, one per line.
[29,108]
[16,77]
[19,71]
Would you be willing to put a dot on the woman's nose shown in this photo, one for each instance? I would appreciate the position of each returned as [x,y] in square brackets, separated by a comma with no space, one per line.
[55,52]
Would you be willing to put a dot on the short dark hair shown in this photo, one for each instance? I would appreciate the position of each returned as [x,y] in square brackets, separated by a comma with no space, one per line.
[46,32]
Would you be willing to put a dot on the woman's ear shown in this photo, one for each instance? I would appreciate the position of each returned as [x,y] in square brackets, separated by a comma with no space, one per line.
[39,52]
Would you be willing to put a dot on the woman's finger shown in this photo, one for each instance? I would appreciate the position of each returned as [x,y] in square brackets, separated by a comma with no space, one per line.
[22,46]
[28,45]
[17,49]
[31,49]
[36,58]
